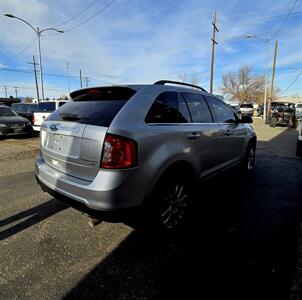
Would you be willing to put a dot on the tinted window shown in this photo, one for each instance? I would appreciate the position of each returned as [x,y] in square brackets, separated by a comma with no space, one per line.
[100,113]
[46,106]
[96,106]
[24,108]
[184,114]
[17,107]
[164,109]
[198,107]
[61,103]
[222,113]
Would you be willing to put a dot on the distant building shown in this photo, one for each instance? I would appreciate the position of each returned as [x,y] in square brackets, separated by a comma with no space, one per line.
[9,101]
[292,99]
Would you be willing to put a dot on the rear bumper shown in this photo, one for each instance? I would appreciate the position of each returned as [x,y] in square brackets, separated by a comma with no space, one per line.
[107,192]
[36,128]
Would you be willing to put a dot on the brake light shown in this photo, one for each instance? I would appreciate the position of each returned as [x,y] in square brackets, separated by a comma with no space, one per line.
[33,120]
[118,152]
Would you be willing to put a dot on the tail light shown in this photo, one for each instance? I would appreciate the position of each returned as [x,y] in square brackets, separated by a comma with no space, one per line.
[118,152]
[33,119]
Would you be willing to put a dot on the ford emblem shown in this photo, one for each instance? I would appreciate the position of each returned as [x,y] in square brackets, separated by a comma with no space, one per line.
[54,127]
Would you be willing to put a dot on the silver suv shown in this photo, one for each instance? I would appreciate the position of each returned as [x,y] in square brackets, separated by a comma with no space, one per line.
[117,148]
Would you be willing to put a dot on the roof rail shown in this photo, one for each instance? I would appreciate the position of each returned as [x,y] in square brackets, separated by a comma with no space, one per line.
[163,82]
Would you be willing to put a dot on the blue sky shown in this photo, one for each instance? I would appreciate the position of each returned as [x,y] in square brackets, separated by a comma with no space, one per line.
[141,41]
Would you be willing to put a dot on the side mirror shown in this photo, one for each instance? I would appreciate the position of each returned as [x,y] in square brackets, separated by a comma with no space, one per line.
[246,119]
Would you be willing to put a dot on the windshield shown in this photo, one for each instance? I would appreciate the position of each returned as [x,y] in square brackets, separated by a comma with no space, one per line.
[6,112]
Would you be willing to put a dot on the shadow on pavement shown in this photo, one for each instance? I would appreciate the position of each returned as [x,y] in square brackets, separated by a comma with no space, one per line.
[32,216]
[241,243]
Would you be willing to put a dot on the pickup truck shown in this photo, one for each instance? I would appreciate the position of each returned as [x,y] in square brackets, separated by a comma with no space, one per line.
[25,110]
[44,109]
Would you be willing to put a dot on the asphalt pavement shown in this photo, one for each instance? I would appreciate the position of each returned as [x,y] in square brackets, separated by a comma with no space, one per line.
[242,240]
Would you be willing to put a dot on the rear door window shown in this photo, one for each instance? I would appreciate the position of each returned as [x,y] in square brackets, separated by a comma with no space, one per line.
[94,107]
[198,108]
[164,109]
[221,112]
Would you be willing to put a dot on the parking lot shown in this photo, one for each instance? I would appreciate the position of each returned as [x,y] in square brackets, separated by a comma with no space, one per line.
[242,240]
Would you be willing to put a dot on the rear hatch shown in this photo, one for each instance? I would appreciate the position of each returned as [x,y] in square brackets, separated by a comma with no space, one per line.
[72,136]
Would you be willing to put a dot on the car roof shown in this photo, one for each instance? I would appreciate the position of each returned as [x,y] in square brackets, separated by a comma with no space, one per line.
[178,88]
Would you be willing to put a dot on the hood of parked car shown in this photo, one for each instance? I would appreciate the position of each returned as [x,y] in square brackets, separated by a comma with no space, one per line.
[12,120]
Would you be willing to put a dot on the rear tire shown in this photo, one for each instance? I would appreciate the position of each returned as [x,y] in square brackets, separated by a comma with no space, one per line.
[171,202]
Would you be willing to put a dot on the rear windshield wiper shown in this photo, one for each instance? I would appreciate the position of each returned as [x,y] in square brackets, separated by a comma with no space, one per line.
[66,116]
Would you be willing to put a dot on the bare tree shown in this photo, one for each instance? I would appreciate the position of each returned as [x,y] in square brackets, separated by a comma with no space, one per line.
[243,86]
[183,77]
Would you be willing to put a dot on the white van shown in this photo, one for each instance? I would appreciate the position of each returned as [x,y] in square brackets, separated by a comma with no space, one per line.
[45,108]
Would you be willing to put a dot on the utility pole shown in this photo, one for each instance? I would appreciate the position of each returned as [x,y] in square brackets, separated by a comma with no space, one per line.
[87,80]
[16,91]
[5,89]
[35,73]
[68,80]
[81,78]
[272,83]
[213,51]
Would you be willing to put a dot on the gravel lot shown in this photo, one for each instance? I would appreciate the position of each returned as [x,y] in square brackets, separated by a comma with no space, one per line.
[242,240]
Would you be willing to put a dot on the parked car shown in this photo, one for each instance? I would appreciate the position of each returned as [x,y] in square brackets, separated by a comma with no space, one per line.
[236,108]
[247,109]
[283,113]
[140,148]
[299,140]
[25,110]
[299,111]
[44,109]
[12,124]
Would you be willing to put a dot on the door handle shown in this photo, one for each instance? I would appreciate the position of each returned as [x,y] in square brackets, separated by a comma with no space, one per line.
[193,136]
[228,133]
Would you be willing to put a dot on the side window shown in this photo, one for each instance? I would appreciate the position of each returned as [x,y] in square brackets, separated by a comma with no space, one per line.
[222,113]
[184,114]
[164,109]
[198,108]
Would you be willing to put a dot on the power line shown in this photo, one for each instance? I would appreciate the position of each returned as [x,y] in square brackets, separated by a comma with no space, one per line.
[284,21]
[19,53]
[292,82]
[90,18]
[76,15]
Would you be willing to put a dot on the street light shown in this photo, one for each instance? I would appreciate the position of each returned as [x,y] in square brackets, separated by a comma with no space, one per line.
[38,31]
[266,41]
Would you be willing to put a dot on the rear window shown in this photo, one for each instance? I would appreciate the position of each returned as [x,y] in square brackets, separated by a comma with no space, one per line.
[93,107]
[24,108]
[247,105]
[46,107]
